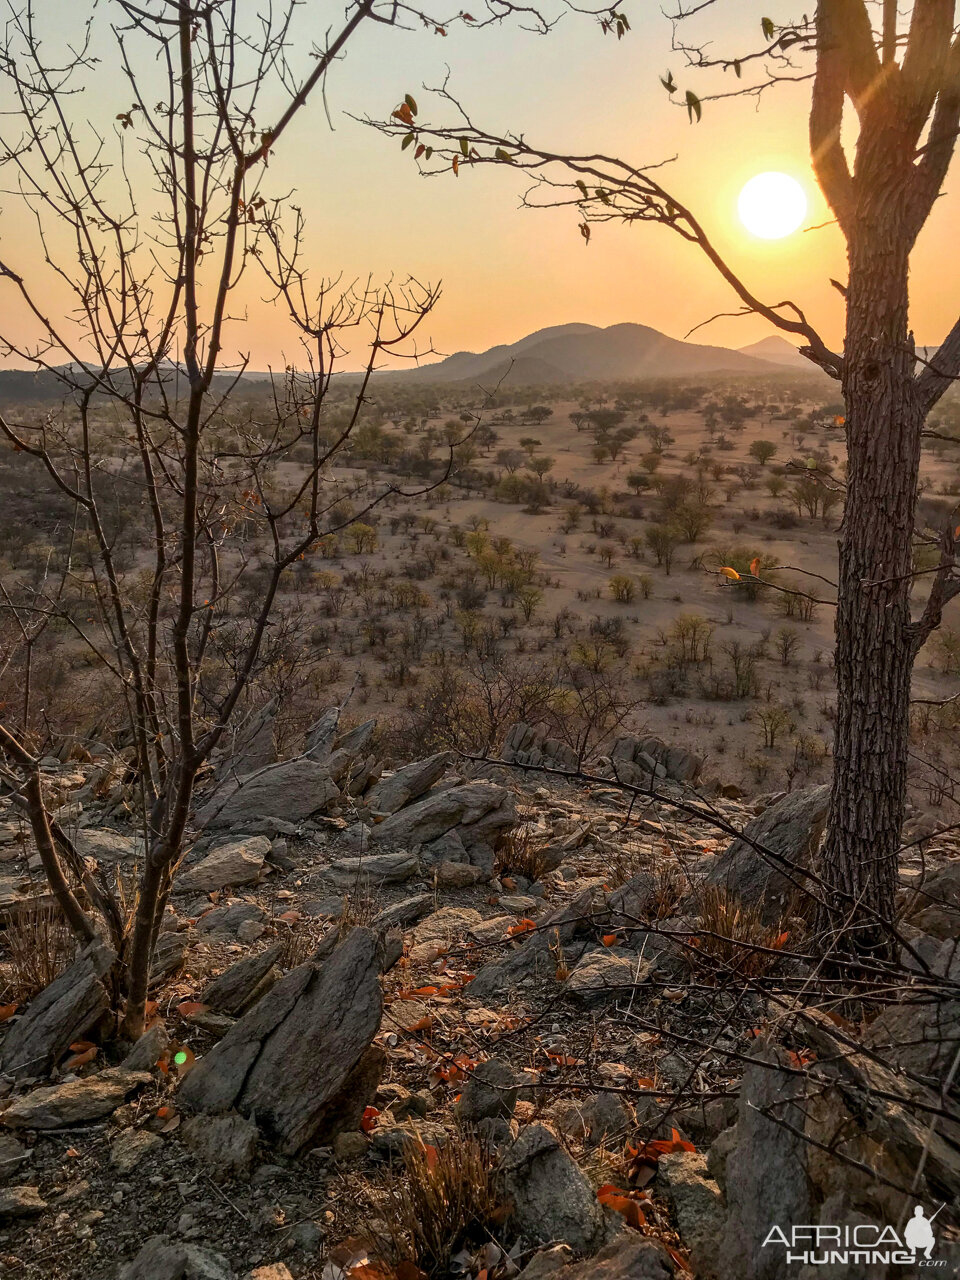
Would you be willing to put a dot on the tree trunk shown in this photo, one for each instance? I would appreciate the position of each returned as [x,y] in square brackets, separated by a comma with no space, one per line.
[873,646]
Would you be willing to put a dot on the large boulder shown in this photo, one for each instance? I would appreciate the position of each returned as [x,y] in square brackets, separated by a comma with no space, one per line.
[74,1101]
[529,746]
[62,1013]
[552,1200]
[290,792]
[300,1062]
[764,867]
[249,745]
[407,784]
[243,983]
[766,1178]
[237,863]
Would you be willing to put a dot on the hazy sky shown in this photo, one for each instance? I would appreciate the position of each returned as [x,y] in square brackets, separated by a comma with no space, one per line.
[506,271]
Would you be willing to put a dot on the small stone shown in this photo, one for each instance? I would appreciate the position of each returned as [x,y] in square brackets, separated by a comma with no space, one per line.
[226,1146]
[132,1148]
[491,1091]
[20,1202]
[350,1147]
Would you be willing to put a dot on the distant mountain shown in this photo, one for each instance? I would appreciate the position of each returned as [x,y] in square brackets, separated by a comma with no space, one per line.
[777,350]
[583,352]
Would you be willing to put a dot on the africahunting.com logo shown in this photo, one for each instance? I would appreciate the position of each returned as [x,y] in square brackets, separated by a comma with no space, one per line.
[863,1243]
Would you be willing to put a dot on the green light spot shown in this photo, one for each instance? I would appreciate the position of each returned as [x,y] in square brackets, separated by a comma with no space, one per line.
[180,1058]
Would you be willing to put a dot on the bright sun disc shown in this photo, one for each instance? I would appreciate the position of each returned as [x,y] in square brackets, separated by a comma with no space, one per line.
[772,205]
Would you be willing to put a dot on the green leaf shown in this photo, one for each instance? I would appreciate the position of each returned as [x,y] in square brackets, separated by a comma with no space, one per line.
[428,153]
[583,187]
[500,154]
[406,142]
[694,109]
[668,82]
[411,102]
[766,25]
[738,70]
[465,146]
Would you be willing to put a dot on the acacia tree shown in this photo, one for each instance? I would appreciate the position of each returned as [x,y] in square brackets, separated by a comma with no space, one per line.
[903,83]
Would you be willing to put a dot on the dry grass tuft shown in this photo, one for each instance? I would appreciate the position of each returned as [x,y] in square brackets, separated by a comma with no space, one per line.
[521,853]
[440,1201]
[731,932]
[39,947]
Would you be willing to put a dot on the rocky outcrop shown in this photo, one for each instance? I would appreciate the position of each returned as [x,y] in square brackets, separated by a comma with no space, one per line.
[527,745]
[300,1061]
[62,1013]
[764,867]
[238,863]
[289,792]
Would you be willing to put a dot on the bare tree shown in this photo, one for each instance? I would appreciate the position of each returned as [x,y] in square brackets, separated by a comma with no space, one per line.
[147,226]
[903,83]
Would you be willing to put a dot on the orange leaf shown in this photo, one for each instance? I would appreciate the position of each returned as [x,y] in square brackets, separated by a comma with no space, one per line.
[622,1202]
[432,1154]
[645,1082]
[755,566]
[424,1024]
[780,941]
[291,917]
[80,1059]
[72,1152]
[369,1118]
[608,939]
[522,926]
[81,1046]
[730,573]
[189,1007]
[8,1010]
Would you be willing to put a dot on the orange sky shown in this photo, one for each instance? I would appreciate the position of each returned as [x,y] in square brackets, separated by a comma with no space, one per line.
[506,272]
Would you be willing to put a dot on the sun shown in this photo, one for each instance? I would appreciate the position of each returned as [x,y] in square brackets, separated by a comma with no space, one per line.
[772,205]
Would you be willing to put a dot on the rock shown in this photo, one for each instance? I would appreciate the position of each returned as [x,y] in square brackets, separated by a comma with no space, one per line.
[480,811]
[272,1271]
[300,1060]
[766,1176]
[12,1156]
[552,1200]
[226,1146]
[526,745]
[792,829]
[75,1101]
[629,1257]
[409,783]
[607,975]
[132,1148]
[402,1103]
[20,1202]
[322,734]
[111,847]
[384,868]
[697,1206]
[227,921]
[457,875]
[388,1142]
[348,1148]
[240,986]
[236,863]
[605,1116]
[249,745]
[62,1013]
[534,957]
[148,1050]
[290,791]
[404,913]
[491,1090]
[447,924]
[636,761]
[548,1264]
[163,1258]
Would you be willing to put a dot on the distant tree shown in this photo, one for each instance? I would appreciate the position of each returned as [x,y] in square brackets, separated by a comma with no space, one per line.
[637,481]
[622,587]
[538,413]
[510,459]
[662,540]
[763,451]
[540,464]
